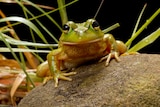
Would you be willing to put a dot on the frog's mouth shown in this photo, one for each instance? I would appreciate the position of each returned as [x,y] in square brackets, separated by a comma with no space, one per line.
[84,42]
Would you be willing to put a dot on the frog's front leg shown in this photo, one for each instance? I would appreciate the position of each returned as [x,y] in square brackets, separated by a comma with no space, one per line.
[115,47]
[55,64]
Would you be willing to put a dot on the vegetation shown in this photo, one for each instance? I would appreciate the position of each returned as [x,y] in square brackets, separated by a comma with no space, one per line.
[24,75]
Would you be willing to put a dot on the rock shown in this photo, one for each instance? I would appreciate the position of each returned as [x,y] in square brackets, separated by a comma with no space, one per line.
[133,82]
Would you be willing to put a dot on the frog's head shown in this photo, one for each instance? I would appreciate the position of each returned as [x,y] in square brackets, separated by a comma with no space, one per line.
[81,32]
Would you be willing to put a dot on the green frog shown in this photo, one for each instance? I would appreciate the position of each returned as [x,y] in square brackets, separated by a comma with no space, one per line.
[79,43]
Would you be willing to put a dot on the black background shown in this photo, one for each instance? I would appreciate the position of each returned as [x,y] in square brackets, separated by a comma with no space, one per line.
[124,12]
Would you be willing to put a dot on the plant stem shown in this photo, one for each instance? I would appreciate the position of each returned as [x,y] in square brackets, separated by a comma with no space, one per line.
[62,11]
[143,27]
[137,23]
[146,41]
[111,28]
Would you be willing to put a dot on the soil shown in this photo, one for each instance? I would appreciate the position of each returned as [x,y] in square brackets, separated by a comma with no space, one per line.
[132,82]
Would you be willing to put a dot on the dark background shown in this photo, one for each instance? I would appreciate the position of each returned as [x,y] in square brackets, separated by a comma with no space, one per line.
[124,12]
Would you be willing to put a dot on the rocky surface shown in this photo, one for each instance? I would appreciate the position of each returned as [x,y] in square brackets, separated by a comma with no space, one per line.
[133,82]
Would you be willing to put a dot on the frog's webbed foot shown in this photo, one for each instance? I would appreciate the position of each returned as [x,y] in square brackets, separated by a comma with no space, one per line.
[109,57]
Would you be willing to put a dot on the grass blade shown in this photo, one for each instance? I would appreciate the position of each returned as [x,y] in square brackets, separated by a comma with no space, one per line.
[143,27]
[41,25]
[62,11]
[15,56]
[15,86]
[146,41]
[13,41]
[137,23]
[26,22]
[42,6]
[5,49]
[111,28]
[41,10]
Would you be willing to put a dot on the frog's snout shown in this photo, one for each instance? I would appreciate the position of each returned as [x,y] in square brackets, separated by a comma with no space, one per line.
[80,30]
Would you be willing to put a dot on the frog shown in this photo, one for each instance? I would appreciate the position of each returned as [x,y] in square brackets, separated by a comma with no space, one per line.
[78,44]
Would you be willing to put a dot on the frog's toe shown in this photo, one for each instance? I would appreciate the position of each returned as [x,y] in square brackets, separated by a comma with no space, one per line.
[69,73]
[62,76]
[47,79]
[56,79]
[109,57]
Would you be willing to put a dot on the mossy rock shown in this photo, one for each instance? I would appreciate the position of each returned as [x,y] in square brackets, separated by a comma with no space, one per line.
[133,82]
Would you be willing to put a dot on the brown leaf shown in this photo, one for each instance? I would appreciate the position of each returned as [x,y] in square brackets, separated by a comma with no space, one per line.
[12,64]
[16,84]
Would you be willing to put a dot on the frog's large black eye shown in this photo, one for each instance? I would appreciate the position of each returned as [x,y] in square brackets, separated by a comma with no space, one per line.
[95,24]
[66,27]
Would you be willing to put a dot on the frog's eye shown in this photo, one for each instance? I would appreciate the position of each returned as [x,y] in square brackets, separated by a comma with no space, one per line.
[95,25]
[69,26]
[66,28]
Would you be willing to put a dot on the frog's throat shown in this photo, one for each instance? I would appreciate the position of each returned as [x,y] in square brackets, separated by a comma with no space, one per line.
[84,42]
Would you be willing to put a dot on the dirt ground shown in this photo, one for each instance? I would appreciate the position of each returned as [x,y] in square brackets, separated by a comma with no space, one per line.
[132,82]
